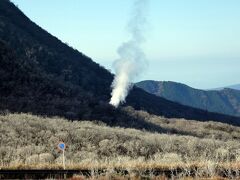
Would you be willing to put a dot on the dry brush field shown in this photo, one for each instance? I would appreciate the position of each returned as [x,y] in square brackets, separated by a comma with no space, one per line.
[183,148]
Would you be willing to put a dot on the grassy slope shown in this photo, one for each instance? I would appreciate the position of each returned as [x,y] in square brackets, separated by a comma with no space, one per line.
[31,141]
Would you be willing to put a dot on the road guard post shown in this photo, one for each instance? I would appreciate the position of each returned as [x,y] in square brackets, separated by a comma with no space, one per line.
[61,147]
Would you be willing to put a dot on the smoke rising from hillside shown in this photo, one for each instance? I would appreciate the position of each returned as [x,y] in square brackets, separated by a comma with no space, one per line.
[132,59]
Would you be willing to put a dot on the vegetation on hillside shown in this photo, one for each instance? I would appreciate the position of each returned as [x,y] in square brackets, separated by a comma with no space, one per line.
[225,101]
[29,141]
[50,92]
[42,75]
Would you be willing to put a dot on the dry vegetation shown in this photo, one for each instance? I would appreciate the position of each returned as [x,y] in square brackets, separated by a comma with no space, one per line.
[210,129]
[28,141]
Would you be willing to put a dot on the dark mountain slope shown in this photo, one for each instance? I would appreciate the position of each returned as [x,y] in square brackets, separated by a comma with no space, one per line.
[62,81]
[50,54]
[172,109]
[225,101]
[24,88]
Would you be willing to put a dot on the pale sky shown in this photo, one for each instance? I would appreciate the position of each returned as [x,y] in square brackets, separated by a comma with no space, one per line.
[196,42]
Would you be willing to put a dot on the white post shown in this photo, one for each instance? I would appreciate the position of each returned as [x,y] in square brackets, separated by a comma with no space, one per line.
[63,159]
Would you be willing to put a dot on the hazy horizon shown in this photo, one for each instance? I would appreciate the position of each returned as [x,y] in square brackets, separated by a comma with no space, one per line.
[196,43]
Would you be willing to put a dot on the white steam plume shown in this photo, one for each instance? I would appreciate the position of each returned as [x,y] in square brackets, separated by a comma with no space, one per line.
[132,59]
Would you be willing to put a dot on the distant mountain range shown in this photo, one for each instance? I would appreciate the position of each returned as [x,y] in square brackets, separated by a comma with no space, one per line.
[236,87]
[41,75]
[225,101]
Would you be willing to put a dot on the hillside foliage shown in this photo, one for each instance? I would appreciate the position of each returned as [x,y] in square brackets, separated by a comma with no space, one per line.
[225,101]
[43,76]
[31,140]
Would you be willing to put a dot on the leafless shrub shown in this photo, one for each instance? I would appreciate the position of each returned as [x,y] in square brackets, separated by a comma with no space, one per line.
[32,140]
